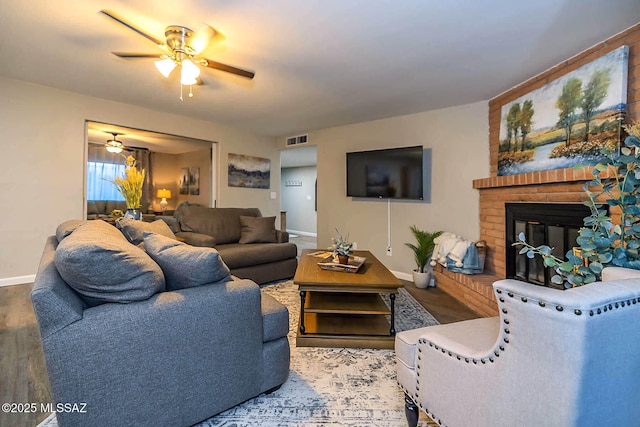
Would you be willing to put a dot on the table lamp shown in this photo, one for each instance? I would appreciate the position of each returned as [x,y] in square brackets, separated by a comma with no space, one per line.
[163,194]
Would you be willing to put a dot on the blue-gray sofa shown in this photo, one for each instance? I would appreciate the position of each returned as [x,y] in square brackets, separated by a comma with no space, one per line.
[150,351]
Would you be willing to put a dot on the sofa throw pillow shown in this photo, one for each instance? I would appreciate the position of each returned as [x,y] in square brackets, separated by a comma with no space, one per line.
[133,229]
[68,227]
[260,229]
[102,266]
[185,266]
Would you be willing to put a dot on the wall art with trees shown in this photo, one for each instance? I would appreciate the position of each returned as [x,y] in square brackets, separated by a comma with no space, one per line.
[568,120]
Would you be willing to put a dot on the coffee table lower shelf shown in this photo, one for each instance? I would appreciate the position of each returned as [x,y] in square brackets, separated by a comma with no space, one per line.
[345,330]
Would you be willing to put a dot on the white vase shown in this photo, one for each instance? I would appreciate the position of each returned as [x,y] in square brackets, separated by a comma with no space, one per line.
[133,214]
[421,280]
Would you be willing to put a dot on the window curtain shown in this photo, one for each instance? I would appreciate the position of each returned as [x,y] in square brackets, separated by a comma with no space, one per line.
[143,161]
[103,166]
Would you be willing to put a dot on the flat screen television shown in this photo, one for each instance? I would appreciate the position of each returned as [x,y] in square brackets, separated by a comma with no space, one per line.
[394,173]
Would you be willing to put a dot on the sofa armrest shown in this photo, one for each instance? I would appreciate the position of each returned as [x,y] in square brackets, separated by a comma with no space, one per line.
[171,222]
[206,340]
[197,239]
[282,236]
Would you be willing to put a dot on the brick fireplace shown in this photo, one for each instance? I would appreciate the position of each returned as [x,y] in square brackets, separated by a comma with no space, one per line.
[552,186]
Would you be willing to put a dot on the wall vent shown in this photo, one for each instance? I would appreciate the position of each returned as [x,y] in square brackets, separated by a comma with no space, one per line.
[295,140]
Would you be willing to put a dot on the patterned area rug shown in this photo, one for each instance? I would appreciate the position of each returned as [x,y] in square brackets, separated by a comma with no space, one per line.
[329,387]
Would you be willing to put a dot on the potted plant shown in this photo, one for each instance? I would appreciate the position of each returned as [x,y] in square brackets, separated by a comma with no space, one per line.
[601,242]
[341,248]
[422,251]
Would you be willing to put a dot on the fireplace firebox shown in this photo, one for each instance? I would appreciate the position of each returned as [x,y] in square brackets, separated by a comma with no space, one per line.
[552,224]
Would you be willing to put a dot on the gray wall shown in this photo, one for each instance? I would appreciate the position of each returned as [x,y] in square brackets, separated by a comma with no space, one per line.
[299,201]
[458,139]
[43,163]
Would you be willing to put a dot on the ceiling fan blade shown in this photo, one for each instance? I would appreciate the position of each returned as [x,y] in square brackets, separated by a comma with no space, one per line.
[228,68]
[139,55]
[121,21]
[202,38]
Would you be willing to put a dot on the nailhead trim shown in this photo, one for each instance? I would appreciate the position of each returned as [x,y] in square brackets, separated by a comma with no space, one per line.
[577,312]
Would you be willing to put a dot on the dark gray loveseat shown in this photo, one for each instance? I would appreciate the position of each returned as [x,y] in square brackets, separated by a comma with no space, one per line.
[267,255]
[173,358]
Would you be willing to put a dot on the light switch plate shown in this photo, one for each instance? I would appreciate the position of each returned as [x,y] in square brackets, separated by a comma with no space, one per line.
[273,194]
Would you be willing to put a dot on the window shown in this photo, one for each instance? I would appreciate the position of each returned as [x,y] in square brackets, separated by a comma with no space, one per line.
[99,177]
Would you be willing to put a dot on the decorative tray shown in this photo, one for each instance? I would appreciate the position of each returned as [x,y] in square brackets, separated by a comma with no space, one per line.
[355,262]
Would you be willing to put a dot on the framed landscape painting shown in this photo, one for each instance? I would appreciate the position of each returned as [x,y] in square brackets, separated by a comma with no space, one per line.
[567,121]
[194,181]
[184,181]
[249,171]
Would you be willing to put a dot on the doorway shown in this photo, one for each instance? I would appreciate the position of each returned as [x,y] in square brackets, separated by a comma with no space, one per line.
[167,159]
[298,189]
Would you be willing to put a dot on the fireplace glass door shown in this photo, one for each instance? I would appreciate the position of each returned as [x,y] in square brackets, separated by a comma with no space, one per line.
[552,224]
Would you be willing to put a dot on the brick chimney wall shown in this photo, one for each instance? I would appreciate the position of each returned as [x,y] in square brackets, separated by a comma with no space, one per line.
[552,186]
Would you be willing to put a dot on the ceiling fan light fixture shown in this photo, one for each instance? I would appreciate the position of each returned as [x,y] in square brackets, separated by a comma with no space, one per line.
[165,66]
[189,72]
[113,145]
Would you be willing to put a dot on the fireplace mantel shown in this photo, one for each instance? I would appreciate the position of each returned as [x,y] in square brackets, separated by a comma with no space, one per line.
[535,178]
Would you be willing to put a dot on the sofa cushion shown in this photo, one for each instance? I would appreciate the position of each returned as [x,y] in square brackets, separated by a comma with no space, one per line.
[223,224]
[237,255]
[68,227]
[185,266]
[258,229]
[100,206]
[92,208]
[133,230]
[102,266]
[196,239]
[110,205]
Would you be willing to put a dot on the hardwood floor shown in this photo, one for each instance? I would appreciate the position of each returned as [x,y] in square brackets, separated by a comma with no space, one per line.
[440,304]
[23,376]
[22,372]
[303,242]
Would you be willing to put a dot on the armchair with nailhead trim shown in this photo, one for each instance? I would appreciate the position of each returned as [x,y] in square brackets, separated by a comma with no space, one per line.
[551,358]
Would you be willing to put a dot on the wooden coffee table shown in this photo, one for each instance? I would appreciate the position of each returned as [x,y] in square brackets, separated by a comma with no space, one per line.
[339,309]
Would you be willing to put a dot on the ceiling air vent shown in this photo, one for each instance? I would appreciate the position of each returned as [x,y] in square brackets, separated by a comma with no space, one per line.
[295,140]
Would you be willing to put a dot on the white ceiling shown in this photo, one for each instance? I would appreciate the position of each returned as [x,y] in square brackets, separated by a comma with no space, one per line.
[318,63]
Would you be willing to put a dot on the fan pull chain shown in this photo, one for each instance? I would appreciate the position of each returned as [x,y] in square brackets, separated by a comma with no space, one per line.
[181,93]
[190,91]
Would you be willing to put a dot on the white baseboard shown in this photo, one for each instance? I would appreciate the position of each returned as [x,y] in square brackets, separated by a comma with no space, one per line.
[19,280]
[302,233]
[403,276]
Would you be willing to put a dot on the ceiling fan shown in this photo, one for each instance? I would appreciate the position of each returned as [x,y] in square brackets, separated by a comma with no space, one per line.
[182,48]
[113,145]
